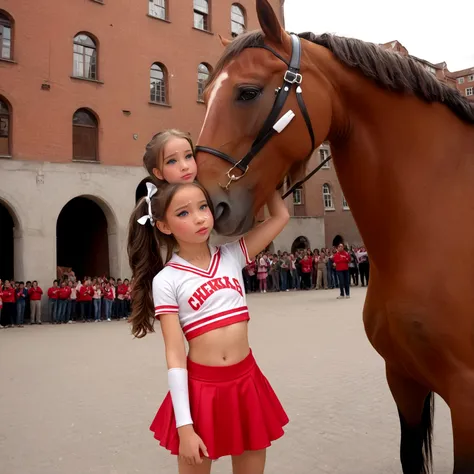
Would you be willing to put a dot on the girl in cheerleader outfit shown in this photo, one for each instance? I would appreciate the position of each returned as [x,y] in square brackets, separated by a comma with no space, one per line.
[219,402]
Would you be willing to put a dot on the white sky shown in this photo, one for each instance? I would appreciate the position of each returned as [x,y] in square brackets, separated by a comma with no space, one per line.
[436,34]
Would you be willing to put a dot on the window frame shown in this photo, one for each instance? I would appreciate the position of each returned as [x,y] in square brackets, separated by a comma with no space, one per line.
[460,80]
[89,112]
[165,87]
[470,78]
[153,4]
[202,84]
[328,194]
[469,91]
[8,116]
[300,191]
[83,55]
[206,16]
[232,21]
[6,22]
[324,151]
[345,204]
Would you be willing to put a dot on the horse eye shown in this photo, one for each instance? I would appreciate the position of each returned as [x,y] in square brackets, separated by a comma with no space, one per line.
[246,95]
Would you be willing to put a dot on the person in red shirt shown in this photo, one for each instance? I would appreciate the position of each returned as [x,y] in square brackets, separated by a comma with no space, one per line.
[109,296]
[306,269]
[341,262]
[121,292]
[53,301]
[35,293]
[8,311]
[63,297]
[85,297]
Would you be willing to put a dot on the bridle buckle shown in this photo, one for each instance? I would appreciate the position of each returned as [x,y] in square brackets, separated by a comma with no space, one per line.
[232,177]
[293,77]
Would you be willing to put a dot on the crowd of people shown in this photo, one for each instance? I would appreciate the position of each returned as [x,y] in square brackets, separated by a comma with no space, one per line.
[69,300]
[104,298]
[306,270]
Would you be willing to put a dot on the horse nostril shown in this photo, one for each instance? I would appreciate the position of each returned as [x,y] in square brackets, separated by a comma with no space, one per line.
[221,210]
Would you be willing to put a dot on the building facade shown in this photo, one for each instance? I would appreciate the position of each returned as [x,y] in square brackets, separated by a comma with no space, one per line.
[84,86]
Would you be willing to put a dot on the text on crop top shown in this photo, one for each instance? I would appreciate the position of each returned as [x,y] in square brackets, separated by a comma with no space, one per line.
[204,299]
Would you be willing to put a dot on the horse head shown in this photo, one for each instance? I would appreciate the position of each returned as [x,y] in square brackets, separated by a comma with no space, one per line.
[238,163]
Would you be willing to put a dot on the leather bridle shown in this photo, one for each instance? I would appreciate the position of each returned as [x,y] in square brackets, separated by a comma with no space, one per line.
[272,125]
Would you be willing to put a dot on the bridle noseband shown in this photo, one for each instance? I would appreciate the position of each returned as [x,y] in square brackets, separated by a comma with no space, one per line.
[272,126]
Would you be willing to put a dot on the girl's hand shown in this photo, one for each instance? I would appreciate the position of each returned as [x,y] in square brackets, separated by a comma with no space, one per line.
[190,445]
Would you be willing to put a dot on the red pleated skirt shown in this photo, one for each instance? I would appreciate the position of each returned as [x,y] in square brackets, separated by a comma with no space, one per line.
[234,409]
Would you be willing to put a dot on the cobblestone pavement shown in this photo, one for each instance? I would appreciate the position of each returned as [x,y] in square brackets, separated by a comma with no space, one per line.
[78,399]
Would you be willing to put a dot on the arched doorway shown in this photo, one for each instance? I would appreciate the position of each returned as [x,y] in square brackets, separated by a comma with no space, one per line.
[82,238]
[7,226]
[300,243]
[337,240]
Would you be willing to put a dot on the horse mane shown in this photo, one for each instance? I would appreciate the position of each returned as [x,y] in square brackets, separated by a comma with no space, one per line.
[387,68]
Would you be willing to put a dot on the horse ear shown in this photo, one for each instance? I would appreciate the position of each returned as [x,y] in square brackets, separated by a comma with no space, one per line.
[269,22]
[224,41]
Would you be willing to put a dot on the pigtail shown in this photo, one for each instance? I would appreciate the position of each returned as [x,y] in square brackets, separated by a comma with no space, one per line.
[145,261]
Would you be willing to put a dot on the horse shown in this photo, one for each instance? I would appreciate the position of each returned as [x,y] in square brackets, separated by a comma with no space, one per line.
[403,148]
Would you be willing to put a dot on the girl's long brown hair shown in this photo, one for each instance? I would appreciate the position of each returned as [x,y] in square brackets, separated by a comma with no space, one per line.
[145,246]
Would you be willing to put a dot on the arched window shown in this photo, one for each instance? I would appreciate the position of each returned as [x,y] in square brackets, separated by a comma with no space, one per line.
[327,197]
[237,20]
[201,14]
[84,136]
[85,57]
[158,86]
[203,76]
[4,128]
[6,27]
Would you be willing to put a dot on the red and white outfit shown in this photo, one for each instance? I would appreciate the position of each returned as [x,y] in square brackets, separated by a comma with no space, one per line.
[234,409]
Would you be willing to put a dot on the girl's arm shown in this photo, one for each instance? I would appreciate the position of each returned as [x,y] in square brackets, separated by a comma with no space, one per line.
[257,239]
[190,442]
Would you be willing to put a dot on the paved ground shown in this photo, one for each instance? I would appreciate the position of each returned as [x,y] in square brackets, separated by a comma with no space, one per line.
[78,399]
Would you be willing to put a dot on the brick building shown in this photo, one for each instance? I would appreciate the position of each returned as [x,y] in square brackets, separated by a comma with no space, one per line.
[84,85]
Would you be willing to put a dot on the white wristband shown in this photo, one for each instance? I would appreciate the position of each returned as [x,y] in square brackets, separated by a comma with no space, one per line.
[178,384]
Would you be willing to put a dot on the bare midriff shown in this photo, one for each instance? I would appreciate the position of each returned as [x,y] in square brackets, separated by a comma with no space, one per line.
[221,347]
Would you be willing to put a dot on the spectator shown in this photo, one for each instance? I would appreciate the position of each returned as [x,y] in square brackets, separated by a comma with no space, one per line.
[85,297]
[364,266]
[63,297]
[21,293]
[341,261]
[262,272]
[121,292]
[1,302]
[306,264]
[96,299]
[53,301]
[71,306]
[275,272]
[354,268]
[8,311]
[35,293]
[322,271]
[109,296]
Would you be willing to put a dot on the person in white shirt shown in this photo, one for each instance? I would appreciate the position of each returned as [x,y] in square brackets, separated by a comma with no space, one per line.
[219,402]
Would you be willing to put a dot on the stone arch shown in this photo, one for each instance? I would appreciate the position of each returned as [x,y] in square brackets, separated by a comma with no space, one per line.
[10,234]
[86,237]
[300,242]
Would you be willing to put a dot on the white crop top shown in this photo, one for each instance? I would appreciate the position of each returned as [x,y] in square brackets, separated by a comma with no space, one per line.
[204,299]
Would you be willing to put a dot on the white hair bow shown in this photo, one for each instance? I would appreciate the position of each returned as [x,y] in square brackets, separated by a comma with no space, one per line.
[151,191]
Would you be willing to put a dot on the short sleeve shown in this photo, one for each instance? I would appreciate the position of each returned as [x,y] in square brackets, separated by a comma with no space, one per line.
[164,296]
[238,251]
